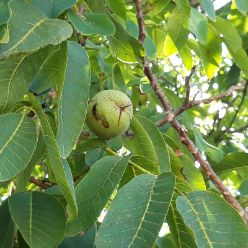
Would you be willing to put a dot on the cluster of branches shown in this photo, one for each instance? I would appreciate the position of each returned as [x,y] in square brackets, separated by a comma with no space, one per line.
[170,116]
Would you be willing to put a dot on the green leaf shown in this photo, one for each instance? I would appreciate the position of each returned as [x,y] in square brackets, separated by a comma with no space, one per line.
[50,71]
[135,219]
[211,53]
[7,228]
[36,31]
[213,221]
[92,23]
[4,34]
[86,240]
[183,6]
[118,80]
[186,55]
[14,82]
[192,174]
[118,7]
[228,31]
[53,8]
[179,230]
[145,163]
[22,178]
[124,46]
[198,25]
[17,144]
[157,6]
[16,74]
[39,217]
[177,32]
[140,143]
[91,144]
[242,6]
[4,13]
[208,6]
[232,161]
[149,142]
[61,170]
[159,36]
[94,191]
[74,96]
[213,152]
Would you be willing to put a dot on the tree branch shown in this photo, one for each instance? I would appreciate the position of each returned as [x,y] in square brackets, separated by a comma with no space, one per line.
[139,16]
[240,104]
[210,99]
[183,135]
[39,183]
[187,86]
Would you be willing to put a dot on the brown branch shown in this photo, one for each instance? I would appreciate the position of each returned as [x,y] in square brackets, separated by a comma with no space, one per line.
[187,85]
[139,16]
[239,130]
[183,135]
[211,99]
[240,104]
[39,183]
[187,95]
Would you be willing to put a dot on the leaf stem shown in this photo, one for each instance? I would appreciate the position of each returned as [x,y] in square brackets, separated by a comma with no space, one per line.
[110,151]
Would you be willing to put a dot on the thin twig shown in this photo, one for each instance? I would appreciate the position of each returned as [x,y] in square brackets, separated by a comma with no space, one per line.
[238,108]
[187,85]
[210,99]
[39,183]
[183,135]
[187,95]
[239,130]
[110,151]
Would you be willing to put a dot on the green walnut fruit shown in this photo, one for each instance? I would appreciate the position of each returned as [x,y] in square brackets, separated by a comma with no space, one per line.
[109,113]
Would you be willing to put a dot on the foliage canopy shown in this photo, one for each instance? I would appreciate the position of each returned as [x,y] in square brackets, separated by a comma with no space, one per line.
[183,163]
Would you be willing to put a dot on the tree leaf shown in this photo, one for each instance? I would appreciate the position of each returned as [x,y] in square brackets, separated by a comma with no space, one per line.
[39,217]
[198,25]
[118,7]
[213,152]
[179,230]
[92,23]
[124,46]
[17,144]
[233,42]
[74,96]
[232,161]
[208,6]
[61,170]
[94,191]
[36,31]
[118,80]
[7,228]
[86,240]
[154,144]
[53,8]
[91,144]
[22,178]
[135,219]
[51,71]
[16,74]
[4,13]
[140,143]
[177,30]
[4,34]
[229,33]
[213,221]
[242,6]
